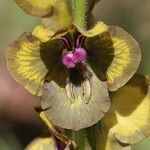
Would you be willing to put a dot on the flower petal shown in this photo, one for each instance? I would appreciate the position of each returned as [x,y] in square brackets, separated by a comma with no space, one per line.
[129,115]
[114,55]
[29,60]
[106,140]
[61,17]
[78,114]
[99,28]
[127,57]
[36,7]
[42,143]
[42,33]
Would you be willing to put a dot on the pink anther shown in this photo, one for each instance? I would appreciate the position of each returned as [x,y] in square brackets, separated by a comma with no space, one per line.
[79,55]
[68,61]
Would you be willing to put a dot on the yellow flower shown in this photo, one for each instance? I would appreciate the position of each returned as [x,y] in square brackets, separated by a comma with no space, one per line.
[42,143]
[76,68]
[50,143]
[128,120]
[56,14]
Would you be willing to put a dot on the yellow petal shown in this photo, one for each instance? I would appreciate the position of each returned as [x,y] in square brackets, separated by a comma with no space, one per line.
[106,140]
[44,143]
[129,116]
[126,59]
[61,18]
[29,60]
[76,105]
[98,29]
[114,55]
[42,33]
[36,7]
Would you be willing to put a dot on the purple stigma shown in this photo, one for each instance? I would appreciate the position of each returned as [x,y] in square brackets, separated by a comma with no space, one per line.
[78,56]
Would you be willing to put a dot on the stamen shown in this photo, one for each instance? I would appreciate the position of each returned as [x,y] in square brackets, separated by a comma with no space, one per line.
[79,40]
[68,61]
[79,55]
[65,42]
[71,59]
[69,92]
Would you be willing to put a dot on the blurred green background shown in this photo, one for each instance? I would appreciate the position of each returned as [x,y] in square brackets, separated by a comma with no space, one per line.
[17,118]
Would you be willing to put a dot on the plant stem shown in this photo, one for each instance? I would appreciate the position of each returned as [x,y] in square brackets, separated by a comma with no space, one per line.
[80,137]
[80,13]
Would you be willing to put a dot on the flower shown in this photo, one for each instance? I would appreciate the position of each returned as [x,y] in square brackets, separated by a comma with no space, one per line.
[56,14]
[42,143]
[128,120]
[74,69]
[49,143]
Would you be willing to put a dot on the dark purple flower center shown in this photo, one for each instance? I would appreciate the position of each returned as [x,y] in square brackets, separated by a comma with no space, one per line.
[76,55]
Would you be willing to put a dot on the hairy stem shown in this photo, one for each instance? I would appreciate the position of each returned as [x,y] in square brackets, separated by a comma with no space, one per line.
[80,13]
